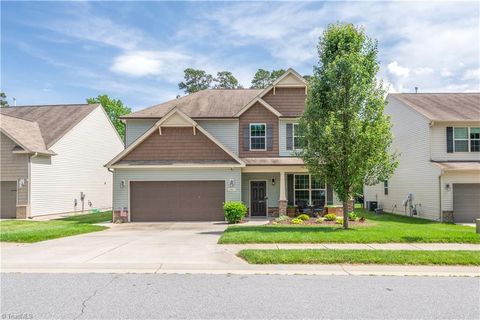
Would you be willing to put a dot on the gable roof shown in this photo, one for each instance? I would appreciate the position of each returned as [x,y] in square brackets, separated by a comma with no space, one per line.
[157,126]
[443,106]
[53,121]
[25,134]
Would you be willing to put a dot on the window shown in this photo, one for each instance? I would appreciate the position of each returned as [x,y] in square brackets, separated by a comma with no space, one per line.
[309,190]
[258,136]
[385,187]
[466,139]
[297,137]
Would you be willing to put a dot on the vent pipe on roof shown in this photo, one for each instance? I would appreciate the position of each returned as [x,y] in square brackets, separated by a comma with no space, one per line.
[416,89]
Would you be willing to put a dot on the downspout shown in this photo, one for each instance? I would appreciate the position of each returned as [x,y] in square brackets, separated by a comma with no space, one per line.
[113,188]
[29,175]
[440,196]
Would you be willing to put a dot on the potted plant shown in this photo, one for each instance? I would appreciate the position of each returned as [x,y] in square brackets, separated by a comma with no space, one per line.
[291,211]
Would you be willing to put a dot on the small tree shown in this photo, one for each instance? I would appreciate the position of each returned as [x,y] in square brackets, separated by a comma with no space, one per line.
[114,108]
[195,80]
[3,100]
[225,80]
[264,78]
[346,134]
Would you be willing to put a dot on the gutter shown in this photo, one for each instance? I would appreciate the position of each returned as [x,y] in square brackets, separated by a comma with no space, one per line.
[29,175]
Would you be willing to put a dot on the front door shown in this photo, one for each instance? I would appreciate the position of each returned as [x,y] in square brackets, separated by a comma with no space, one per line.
[258,198]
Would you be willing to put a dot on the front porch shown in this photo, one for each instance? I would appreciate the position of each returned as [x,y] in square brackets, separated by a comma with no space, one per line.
[268,191]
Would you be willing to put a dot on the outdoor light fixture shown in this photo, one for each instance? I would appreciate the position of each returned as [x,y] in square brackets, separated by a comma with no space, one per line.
[231,183]
[122,184]
[447,186]
[273,181]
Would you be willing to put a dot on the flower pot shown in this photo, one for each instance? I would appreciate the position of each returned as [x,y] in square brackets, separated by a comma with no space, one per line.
[291,212]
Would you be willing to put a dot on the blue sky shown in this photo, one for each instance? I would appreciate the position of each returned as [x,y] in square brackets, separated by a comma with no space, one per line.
[64,52]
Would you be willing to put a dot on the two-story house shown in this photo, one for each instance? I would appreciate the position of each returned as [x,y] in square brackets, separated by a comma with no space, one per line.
[438,138]
[185,157]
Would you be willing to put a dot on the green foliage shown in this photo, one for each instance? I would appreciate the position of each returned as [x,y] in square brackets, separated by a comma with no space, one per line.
[3,100]
[282,218]
[234,211]
[303,217]
[264,78]
[330,217]
[226,80]
[297,221]
[195,80]
[352,216]
[347,136]
[320,220]
[339,221]
[114,109]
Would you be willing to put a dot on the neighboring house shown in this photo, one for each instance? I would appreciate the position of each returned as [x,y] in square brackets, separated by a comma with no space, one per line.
[438,137]
[187,156]
[52,159]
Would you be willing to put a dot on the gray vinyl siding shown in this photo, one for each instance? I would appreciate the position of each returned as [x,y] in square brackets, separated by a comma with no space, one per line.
[225,131]
[135,128]
[120,195]
[282,138]
[273,192]
[13,167]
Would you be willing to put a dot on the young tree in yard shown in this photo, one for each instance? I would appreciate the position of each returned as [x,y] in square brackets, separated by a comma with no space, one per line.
[195,80]
[114,108]
[3,100]
[346,135]
[226,80]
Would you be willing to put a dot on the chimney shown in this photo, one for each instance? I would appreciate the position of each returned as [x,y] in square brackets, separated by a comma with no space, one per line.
[416,89]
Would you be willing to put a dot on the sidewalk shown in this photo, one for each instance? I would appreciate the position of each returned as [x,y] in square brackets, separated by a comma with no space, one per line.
[235,248]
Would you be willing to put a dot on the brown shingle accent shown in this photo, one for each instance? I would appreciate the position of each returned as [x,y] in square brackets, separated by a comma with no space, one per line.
[258,114]
[290,102]
[177,144]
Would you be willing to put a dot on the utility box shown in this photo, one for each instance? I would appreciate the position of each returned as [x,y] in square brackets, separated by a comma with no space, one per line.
[372,205]
[478,225]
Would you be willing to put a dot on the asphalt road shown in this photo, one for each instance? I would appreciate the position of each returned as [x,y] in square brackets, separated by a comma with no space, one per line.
[156,296]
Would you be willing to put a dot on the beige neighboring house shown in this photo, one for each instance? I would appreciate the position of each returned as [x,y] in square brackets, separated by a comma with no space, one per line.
[438,136]
[52,159]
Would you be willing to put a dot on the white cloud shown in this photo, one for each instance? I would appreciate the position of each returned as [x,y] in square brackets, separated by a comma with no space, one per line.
[446,73]
[397,70]
[423,71]
[472,74]
[149,63]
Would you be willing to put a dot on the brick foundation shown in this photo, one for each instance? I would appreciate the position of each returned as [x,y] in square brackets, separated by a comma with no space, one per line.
[119,216]
[282,207]
[23,211]
[273,211]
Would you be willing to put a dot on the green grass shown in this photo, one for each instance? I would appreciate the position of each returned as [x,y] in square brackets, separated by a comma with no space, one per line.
[33,231]
[378,229]
[325,256]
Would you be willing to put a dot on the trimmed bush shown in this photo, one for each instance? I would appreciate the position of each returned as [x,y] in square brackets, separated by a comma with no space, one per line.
[330,217]
[320,220]
[282,218]
[234,211]
[297,221]
[303,217]
[352,216]
[339,221]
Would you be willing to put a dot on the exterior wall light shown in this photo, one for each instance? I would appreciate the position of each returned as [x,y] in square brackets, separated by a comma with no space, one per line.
[273,181]
[231,183]
[122,184]
[448,187]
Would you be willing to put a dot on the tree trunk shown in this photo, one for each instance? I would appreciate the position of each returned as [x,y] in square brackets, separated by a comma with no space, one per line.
[345,214]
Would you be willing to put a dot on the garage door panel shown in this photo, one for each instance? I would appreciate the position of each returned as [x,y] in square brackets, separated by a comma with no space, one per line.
[466,202]
[177,200]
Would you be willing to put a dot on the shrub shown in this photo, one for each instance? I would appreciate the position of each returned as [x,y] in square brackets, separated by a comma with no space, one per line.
[234,211]
[303,217]
[352,216]
[362,219]
[297,221]
[330,217]
[282,218]
[339,221]
[320,220]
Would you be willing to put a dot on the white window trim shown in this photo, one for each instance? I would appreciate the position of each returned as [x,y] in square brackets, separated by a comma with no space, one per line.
[250,136]
[385,187]
[310,203]
[293,137]
[468,139]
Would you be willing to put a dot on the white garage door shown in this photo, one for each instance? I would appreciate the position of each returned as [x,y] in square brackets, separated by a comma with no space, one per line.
[466,202]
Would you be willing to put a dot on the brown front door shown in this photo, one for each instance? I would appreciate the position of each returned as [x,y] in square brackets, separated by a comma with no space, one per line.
[258,198]
[177,200]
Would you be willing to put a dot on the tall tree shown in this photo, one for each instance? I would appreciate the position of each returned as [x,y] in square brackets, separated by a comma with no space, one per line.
[263,78]
[225,80]
[347,136]
[195,80]
[114,108]
[3,100]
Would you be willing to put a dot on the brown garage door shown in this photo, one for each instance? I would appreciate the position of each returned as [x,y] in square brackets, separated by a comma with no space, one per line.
[8,199]
[177,200]
[466,202]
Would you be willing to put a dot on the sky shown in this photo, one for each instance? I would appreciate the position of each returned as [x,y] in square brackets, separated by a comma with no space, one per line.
[64,52]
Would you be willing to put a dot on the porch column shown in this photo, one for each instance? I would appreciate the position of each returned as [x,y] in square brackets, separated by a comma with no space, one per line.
[282,201]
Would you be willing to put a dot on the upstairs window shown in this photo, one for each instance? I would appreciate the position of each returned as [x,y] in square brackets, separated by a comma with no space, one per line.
[297,137]
[258,136]
[385,187]
[466,139]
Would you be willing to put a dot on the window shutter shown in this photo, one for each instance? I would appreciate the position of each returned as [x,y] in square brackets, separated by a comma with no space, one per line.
[449,139]
[269,137]
[246,137]
[329,195]
[290,189]
[289,136]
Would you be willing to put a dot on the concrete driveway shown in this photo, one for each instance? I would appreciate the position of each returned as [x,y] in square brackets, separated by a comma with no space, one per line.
[129,246]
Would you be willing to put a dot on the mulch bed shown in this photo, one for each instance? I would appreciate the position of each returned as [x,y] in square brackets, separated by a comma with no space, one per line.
[312,222]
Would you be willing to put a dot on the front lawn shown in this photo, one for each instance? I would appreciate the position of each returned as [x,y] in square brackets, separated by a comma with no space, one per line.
[34,231]
[377,229]
[325,256]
